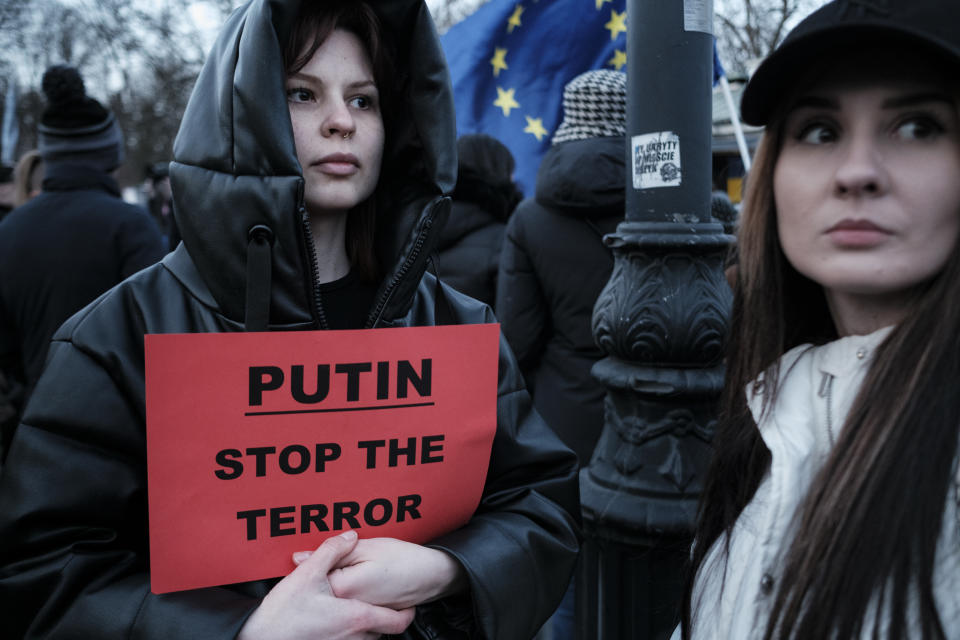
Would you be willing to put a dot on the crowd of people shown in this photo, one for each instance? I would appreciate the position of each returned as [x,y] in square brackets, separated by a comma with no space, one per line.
[334,194]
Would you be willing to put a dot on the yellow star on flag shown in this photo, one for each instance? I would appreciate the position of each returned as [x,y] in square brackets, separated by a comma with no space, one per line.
[617,24]
[618,60]
[514,20]
[535,127]
[506,101]
[498,60]
[601,2]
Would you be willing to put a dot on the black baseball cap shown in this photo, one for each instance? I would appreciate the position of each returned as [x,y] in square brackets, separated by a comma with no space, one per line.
[847,25]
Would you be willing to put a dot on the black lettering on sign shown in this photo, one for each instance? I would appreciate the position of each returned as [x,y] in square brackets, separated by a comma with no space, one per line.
[260,453]
[288,520]
[353,371]
[251,518]
[383,380]
[371,446]
[426,453]
[345,512]
[326,453]
[406,375]
[304,389]
[313,514]
[293,459]
[387,512]
[263,379]
[296,384]
[407,505]
[277,519]
[407,452]
[225,458]
[303,459]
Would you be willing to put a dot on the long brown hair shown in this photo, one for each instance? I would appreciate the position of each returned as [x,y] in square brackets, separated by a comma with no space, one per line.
[864,535]
[27,177]
[315,22]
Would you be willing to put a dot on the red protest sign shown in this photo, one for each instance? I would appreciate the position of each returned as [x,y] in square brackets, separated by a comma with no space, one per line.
[262,444]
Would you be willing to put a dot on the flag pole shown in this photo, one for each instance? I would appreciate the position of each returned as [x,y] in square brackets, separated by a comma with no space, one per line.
[735,119]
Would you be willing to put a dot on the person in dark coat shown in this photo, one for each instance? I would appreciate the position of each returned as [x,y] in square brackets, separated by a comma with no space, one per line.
[554,263]
[483,199]
[76,239]
[260,190]
[160,202]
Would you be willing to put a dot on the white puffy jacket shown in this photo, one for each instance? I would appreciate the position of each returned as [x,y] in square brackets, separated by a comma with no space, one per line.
[818,386]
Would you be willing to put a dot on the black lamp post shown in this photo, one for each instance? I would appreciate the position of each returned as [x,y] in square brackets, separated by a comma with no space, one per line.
[661,322]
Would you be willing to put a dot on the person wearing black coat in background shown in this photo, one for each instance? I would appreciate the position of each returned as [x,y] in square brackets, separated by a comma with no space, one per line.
[554,263]
[72,242]
[483,199]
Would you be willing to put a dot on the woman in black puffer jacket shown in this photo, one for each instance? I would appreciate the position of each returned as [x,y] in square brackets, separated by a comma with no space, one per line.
[273,153]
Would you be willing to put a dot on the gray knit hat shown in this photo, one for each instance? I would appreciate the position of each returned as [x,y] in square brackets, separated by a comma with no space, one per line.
[74,127]
[594,106]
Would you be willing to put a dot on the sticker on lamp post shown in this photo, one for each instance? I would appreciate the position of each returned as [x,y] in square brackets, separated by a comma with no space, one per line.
[656,160]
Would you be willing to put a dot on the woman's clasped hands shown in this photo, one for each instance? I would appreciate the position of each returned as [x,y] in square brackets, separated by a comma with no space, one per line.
[351,589]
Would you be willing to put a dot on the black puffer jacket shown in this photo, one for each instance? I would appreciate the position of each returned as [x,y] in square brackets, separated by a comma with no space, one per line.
[73,511]
[553,266]
[470,250]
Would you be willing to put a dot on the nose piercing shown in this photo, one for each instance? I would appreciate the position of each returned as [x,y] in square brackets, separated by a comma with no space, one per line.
[347,135]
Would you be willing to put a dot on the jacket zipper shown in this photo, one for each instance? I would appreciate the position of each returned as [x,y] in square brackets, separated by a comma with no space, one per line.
[404,268]
[826,391]
[314,264]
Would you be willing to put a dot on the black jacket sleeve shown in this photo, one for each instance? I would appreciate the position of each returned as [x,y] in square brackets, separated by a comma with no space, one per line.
[74,557]
[521,545]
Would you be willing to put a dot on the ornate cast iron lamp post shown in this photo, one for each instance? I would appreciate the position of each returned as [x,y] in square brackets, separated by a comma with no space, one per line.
[661,322]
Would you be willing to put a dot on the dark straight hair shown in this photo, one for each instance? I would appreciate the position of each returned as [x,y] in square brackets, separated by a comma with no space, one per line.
[864,535]
[314,24]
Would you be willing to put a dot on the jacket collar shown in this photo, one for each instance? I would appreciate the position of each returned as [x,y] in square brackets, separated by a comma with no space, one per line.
[843,357]
[568,183]
[72,177]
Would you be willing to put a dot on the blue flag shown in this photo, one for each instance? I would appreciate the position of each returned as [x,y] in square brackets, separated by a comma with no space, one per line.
[510,60]
[718,71]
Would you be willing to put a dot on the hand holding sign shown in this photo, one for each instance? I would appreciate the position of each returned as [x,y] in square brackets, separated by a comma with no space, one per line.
[396,574]
[303,605]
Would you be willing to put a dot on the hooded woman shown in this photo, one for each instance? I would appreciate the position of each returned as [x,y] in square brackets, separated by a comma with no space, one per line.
[309,183]
[831,508]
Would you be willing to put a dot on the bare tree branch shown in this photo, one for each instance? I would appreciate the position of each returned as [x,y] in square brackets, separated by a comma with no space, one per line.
[751,29]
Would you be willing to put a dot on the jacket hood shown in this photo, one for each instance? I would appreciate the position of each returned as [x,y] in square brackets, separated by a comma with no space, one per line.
[584,178]
[464,219]
[235,167]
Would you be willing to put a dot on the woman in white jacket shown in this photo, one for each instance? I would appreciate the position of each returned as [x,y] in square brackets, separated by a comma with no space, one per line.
[830,510]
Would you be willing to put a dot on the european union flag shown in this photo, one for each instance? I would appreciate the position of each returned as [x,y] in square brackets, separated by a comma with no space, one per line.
[510,60]
[718,71]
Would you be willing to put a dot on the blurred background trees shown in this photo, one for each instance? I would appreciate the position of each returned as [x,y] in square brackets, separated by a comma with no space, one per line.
[141,57]
[747,30]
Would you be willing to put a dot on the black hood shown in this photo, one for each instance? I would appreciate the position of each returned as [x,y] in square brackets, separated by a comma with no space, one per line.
[584,178]
[235,165]
[464,219]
